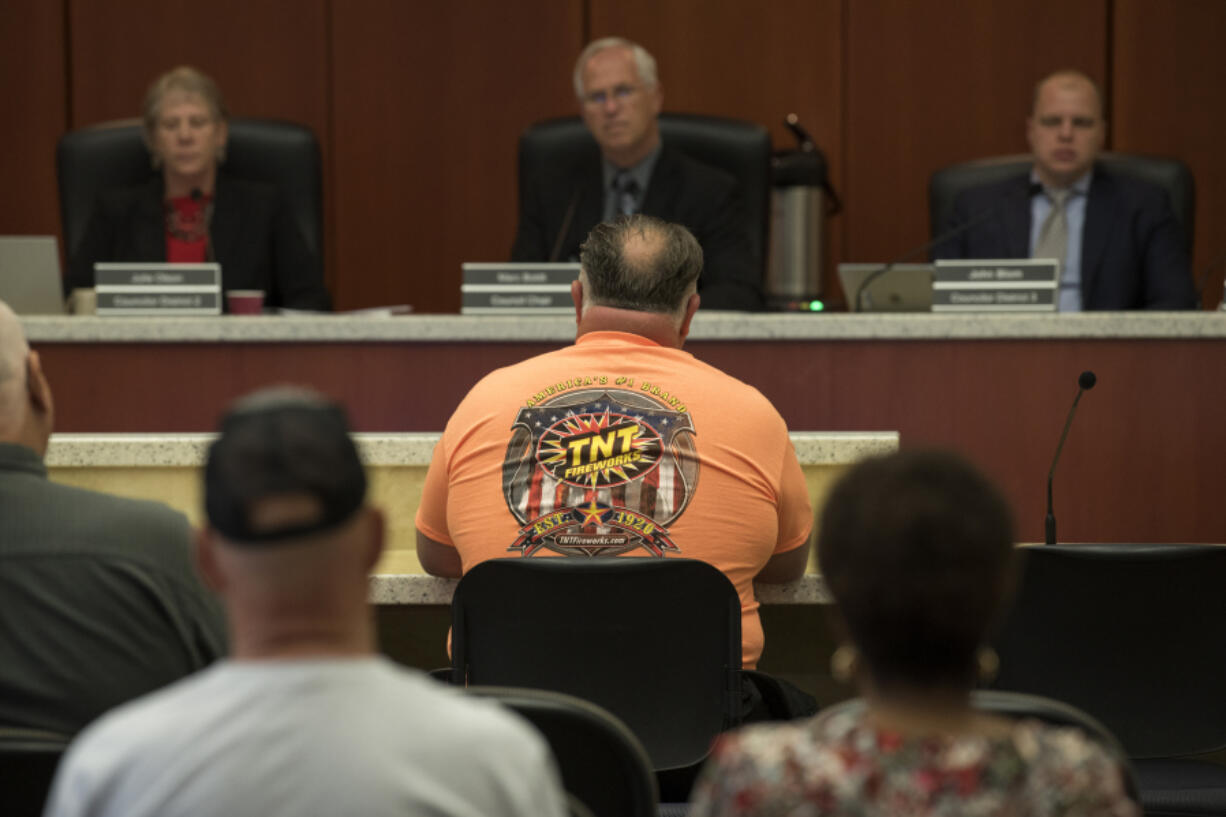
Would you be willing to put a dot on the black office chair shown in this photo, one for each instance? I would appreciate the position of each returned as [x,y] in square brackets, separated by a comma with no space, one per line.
[1135,635]
[1170,174]
[113,155]
[28,760]
[657,642]
[605,770]
[740,148]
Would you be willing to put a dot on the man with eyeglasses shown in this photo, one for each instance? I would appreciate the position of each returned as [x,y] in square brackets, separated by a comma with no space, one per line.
[620,99]
[1116,236]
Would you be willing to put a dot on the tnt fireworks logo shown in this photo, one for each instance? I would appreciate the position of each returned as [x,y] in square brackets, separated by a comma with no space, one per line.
[599,472]
[599,450]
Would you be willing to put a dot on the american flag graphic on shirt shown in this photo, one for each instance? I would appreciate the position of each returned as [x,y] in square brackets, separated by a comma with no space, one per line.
[599,472]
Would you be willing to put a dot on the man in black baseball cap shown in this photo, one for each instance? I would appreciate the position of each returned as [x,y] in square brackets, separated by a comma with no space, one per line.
[305,717]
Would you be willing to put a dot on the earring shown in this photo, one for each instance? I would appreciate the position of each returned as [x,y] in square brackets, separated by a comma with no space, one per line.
[988,663]
[843,663]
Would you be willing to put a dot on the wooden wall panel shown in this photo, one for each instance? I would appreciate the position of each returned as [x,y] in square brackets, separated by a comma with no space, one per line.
[269,57]
[429,103]
[33,87]
[747,60]
[933,83]
[1169,69]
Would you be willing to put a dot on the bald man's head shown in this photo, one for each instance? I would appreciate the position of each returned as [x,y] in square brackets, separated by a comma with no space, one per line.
[25,399]
[13,352]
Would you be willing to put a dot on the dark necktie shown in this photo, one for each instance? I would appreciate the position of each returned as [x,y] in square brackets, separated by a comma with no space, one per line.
[627,190]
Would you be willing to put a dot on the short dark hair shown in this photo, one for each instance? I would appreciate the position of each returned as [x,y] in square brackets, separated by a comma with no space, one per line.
[917,549]
[640,262]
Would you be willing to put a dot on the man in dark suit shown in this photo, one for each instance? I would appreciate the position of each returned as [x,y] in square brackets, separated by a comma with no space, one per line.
[1119,244]
[620,100]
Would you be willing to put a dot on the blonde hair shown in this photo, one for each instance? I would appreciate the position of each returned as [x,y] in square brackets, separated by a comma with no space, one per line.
[188,80]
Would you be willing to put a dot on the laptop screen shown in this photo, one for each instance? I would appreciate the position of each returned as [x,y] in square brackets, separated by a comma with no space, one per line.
[30,275]
[900,288]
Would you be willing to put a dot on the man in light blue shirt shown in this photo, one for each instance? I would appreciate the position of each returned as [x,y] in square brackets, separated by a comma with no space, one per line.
[1116,236]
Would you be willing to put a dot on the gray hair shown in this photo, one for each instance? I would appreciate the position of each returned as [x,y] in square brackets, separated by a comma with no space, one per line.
[643,61]
[642,263]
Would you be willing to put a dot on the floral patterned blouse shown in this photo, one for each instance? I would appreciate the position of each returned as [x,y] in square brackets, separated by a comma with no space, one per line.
[838,764]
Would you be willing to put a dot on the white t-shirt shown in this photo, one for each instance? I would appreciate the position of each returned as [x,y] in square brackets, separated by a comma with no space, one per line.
[308,737]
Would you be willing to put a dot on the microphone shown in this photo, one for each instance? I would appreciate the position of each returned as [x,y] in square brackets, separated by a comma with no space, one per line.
[197,196]
[1085,382]
[565,228]
[1031,190]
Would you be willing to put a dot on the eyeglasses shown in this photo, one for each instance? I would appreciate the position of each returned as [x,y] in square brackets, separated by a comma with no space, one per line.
[620,93]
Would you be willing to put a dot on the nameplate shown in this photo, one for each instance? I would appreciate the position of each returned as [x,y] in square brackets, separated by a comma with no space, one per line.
[517,289]
[1007,285]
[157,289]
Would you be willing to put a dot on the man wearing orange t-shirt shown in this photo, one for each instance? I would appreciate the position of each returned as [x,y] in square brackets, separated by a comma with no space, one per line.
[622,443]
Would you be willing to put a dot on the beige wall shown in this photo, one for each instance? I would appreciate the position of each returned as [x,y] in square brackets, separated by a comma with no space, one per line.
[395,489]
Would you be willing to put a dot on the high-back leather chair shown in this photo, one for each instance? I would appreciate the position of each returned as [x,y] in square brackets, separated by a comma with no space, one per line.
[113,155]
[657,642]
[1170,174]
[1135,635]
[605,770]
[742,149]
[28,760]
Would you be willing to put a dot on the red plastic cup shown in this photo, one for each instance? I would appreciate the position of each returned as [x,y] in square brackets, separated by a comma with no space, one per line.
[245,301]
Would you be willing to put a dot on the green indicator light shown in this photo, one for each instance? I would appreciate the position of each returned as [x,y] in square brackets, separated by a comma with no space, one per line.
[816,306]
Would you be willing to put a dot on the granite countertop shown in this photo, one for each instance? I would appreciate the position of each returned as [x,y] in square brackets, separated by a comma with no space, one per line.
[414,449]
[416,588]
[707,326]
[408,448]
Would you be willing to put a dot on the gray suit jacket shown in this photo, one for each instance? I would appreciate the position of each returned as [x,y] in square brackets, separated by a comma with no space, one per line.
[99,599]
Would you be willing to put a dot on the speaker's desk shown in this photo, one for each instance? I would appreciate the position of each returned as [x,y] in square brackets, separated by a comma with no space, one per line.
[1144,461]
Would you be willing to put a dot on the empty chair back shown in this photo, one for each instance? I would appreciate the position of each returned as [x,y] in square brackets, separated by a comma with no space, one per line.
[28,760]
[1168,173]
[605,770]
[657,642]
[1132,634]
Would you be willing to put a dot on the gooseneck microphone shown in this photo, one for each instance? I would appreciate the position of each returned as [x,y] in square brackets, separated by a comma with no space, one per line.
[565,228]
[1085,382]
[1032,189]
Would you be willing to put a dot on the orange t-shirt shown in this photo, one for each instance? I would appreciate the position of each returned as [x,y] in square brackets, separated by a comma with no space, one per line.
[619,445]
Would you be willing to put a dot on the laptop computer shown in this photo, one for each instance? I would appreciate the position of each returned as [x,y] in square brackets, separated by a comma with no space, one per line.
[30,275]
[901,288]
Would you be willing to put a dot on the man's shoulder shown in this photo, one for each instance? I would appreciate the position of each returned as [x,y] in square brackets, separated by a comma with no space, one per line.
[695,174]
[104,507]
[564,169]
[1126,187]
[100,522]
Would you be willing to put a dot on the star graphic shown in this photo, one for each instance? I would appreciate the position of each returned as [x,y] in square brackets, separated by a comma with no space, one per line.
[592,514]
